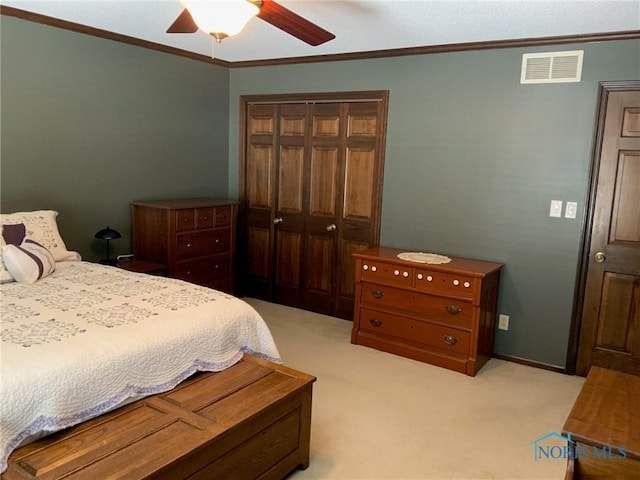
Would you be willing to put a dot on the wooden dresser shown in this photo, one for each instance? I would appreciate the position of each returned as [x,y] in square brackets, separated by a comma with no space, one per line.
[441,314]
[604,427]
[194,238]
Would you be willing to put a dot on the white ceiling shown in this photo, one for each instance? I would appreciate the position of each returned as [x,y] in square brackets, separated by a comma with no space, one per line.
[359,25]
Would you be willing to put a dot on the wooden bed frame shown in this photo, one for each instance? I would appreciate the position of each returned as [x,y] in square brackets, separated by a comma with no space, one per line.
[252,420]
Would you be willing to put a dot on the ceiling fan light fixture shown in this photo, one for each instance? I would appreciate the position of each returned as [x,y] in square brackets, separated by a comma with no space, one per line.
[221,18]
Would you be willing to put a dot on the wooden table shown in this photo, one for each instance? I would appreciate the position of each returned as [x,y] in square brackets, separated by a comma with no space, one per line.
[604,423]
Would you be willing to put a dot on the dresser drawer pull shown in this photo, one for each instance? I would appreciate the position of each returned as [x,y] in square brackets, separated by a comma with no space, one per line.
[450,339]
[375,322]
[452,309]
[377,293]
[186,220]
[188,272]
[217,240]
[189,245]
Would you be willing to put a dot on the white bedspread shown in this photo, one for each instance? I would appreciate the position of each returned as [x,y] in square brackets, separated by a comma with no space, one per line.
[87,338]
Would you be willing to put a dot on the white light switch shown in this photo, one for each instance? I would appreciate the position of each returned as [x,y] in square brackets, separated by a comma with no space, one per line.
[556,208]
[571,210]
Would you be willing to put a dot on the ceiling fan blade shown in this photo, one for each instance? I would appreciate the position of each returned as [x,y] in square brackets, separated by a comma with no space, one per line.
[292,23]
[183,24]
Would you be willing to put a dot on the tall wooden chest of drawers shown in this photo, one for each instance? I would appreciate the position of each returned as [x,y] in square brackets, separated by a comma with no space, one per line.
[441,314]
[194,237]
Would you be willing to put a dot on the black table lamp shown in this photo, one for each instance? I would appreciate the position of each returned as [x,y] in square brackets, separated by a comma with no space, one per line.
[108,234]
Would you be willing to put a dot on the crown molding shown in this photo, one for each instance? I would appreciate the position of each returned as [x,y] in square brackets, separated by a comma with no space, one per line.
[395,52]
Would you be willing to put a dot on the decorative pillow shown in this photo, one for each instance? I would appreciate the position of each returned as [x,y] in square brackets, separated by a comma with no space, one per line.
[12,235]
[41,226]
[28,261]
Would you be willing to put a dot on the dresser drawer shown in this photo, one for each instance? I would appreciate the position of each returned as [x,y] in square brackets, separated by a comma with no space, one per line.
[199,271]
[204,217]
[185,219]
[387,273]
[198,244]
[457,313]
[447,283]
[197,218]
[415,331]
[223,216]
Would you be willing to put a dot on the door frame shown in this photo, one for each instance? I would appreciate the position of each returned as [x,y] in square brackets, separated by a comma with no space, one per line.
[381,96]
[604,88]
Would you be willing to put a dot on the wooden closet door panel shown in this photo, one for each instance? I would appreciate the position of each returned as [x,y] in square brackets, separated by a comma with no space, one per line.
[361,197]
[359,182]
[323,228]
[324,180]
[260,185]
[288,260]
[260,164]
[321,260]
[291,179]
[258,243]
[291,203]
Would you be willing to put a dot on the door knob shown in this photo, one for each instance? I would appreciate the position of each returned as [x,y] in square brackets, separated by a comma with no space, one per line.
[277,220]
[331,227]
[600,257]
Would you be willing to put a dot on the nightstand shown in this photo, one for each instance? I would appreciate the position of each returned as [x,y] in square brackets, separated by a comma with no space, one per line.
[141,266]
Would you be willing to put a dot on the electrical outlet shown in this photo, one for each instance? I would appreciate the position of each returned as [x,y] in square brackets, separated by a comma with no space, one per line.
[571,210]
[503,322]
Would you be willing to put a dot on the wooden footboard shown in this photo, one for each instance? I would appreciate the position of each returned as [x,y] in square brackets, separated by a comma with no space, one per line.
[252,420]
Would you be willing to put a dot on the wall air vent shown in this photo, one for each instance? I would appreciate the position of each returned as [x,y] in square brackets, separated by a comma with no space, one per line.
[552,67]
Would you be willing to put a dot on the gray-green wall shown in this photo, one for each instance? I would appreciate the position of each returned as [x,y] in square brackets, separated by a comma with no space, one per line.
[90,124]
[473,160]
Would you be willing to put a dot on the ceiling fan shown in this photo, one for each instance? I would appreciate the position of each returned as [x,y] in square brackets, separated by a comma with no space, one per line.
[198,12]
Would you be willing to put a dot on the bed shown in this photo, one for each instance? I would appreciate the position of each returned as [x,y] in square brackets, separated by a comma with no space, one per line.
[83,339]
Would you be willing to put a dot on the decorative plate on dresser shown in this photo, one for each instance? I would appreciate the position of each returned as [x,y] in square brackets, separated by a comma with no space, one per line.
[194,238]
[441,312]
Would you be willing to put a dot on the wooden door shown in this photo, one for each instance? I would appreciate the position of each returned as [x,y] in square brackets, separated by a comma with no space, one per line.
[290,204]
[610,325]
[257,208]
[312,194]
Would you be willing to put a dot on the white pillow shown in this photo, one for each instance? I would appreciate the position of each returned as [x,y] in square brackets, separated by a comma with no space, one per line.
[41,227]
[28,261]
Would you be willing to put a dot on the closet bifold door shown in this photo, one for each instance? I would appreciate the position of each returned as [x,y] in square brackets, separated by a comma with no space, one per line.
[360,195]
[313,176]
[291,204]
[259,200]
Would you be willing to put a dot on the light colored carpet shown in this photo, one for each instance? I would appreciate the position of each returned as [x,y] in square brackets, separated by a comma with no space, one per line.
[381,416]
